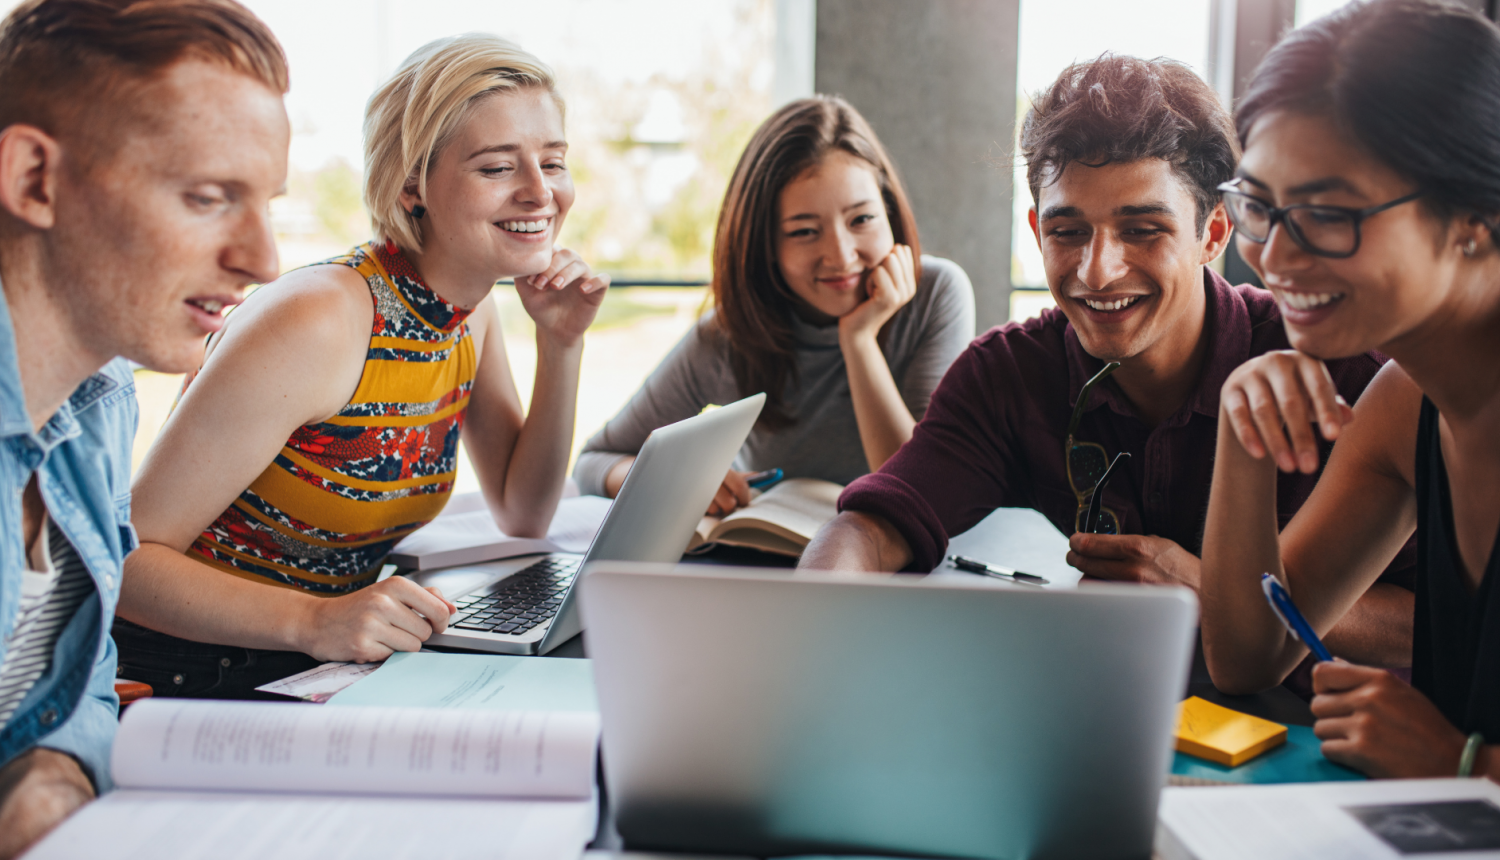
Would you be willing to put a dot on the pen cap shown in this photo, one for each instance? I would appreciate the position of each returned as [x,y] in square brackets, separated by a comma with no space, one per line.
[1276,595]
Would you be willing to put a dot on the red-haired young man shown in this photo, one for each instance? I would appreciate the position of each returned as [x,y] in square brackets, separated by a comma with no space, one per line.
[140,144]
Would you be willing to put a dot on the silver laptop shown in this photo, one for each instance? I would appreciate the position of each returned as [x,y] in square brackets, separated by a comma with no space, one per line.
[527,606]
[755,712]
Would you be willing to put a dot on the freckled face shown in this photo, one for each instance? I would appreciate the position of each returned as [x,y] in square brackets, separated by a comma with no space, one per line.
[498,192]
[1122,255]
[833,230]
[1336,308]
[160,234]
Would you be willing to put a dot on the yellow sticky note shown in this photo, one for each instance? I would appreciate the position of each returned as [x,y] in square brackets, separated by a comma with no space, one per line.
[1220,735]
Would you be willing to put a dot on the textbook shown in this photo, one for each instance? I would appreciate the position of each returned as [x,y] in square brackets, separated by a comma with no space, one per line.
[781,520]
[465,533]
[290,780]
[1384,818]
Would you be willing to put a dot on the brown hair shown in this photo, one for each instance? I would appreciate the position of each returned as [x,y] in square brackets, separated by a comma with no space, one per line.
[752,302]
[60,58]
[1123,109]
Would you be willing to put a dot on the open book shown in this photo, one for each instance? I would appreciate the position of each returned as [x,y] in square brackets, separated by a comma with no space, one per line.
[288,780]
[781,520]
[465,533]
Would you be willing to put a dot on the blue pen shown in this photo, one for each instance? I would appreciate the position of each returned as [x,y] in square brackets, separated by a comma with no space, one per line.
[1281,604]
[762,480]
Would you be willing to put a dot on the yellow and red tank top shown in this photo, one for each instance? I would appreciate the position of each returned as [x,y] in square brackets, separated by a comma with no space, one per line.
[324,515]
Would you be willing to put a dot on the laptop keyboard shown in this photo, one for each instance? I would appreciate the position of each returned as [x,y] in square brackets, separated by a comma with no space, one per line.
[521,601]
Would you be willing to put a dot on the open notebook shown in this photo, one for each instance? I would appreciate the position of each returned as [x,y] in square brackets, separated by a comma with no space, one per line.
[228,780]
[782,520]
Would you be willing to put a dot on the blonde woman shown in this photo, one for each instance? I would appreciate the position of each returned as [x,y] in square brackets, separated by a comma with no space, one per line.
[324,423]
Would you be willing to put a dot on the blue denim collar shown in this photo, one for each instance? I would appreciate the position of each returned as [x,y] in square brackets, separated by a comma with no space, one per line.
[13,417]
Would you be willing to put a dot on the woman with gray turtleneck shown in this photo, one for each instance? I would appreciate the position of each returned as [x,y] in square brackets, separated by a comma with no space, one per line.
[821,299]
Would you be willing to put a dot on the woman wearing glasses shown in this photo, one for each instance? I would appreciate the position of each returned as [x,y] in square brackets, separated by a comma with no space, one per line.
[1367,200]
[822,299]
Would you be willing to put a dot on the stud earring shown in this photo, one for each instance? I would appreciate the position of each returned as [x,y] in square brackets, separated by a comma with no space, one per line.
[1470,247]
[418,211]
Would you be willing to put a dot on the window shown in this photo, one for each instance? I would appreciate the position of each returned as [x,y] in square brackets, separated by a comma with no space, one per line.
[1054,34]
[661,95]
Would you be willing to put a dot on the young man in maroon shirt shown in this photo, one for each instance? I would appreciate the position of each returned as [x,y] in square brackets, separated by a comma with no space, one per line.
[1124,157]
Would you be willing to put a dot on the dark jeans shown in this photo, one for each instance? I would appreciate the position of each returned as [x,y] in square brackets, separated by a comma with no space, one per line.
[183,668]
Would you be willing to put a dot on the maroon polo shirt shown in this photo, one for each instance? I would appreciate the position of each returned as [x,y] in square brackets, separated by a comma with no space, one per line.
[993,434]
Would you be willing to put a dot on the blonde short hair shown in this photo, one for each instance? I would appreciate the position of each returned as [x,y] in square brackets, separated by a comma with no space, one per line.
[416,113]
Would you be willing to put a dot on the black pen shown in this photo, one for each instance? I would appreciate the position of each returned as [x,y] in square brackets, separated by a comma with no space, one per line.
[976,566]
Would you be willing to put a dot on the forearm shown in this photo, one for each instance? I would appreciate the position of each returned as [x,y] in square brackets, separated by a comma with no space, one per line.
[614,479]
[172,593]
[1243,642]
[38,790]
[527,498]
[859,542]
[1377,631]
[885,424]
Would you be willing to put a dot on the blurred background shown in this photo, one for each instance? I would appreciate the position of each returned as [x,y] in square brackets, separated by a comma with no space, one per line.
[663,94]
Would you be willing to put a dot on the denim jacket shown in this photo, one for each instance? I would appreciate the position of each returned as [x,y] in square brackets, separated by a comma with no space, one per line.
[82,459]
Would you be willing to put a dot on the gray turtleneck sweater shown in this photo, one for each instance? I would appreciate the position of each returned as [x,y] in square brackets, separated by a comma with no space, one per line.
[924,337]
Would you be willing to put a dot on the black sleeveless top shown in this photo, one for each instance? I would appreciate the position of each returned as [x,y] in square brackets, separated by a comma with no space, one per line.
[1456,647]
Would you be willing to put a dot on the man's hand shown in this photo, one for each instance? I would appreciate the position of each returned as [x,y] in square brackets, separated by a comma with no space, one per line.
[374,622]
[1374,722]
[38,789]
[1134,558]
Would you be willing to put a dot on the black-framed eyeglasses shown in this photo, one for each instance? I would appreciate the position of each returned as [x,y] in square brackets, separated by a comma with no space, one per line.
[1089,468]
[1325,231]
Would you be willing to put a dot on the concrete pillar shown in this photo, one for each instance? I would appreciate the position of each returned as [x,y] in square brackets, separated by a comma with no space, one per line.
[937,80]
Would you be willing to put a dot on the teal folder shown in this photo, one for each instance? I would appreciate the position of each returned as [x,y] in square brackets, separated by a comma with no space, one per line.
[483,681]
[1300,759]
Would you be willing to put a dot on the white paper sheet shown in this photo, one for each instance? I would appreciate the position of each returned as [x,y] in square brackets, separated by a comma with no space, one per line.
[145,825]
[275,746]
[320,683]
[1299,822]
[448,539]
[1017,538]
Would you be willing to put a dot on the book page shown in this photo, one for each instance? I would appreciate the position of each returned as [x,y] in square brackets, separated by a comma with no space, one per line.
[144,825]
[1331,820]
[470,536]
[288,746]
[799,505]
[462,539]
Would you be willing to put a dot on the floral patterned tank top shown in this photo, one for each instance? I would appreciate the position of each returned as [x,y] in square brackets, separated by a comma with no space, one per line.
[323,516]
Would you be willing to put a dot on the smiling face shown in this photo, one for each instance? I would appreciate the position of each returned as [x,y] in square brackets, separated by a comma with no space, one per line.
[1123,259]
[498,191]
[170,226]
[1405,263]
[833,230]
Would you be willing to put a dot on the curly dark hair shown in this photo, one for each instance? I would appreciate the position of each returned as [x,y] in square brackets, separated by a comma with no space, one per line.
[1122,109]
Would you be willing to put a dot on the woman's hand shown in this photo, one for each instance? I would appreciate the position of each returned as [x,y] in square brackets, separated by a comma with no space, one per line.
[891,285]
[1273,400]
[374,622]
[1379,725]
[563,299]
[733,493]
